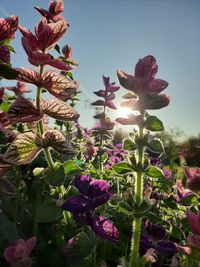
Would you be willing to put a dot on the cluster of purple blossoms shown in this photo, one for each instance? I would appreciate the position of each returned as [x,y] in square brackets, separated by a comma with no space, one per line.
[154,239]
[193,179]
[108,95]
[93,193]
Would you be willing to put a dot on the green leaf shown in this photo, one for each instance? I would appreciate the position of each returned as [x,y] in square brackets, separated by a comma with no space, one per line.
[154,124]
[154,172]
[122,167]
[8,230]
[38,172]
[7,72]
[71,167]
[48,211]
[124,208]
[129,145]
[156,146]
[23,149]
[189,200]
[176,232]
[153,218]
[4,106]
[11,49]
[57,48]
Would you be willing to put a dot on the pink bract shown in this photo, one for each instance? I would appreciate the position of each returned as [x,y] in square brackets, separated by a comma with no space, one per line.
[194,221]
[19,253]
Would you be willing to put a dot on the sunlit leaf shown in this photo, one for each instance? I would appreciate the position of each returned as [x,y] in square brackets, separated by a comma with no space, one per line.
[23,149]
[122,168]
[58,85]
[154,172]
[156,146]
[71,167]
[154,124]
[59,110]
[129,145]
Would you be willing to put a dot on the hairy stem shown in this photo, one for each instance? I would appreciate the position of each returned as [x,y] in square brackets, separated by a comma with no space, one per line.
[138,192]
[101,139]
[40,125]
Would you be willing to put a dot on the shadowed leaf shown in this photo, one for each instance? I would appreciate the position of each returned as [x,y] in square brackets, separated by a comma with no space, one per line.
[23,110]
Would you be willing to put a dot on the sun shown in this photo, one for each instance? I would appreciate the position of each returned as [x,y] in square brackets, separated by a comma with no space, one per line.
[124,112]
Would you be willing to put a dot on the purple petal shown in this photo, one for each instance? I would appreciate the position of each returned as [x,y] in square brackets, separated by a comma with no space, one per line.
[110,104]
[165,247]
[104,228]
[146,68]
[82,182]
[97,188]
[156,86]
[156,231]
[145,243]
[100,93]
[98,201]
[77,204]
[100,103]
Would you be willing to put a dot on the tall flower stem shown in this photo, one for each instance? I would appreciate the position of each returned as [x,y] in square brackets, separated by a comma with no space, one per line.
[138,190]
[40,125]
[101,139]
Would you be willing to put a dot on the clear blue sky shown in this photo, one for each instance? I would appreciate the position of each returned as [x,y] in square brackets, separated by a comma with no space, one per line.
[107,35]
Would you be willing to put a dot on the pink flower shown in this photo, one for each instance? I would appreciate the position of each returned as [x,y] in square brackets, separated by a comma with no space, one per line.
[143,82]
[55,8]
[194,221]
[18,255]
[193,179]
[8,27]
[46,34]
[19,89]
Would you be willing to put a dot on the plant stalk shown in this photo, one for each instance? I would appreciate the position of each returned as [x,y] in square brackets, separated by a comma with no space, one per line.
[40,125]
[138,192]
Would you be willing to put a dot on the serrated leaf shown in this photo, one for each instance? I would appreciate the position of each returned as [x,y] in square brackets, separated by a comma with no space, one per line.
[122,168]
[7,72]
[22,110]
[154,172]
[59,110]
[23,149]
[71,167]
[129,145]
[48,211]
[156,146]
[154,124]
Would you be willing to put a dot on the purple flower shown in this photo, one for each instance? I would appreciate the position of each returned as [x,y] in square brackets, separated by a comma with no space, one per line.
[107,94]
[165,247]
[154,239]
[181,191]
[167,174]
[93,193]
[155,231]
[144,81]
[104,228]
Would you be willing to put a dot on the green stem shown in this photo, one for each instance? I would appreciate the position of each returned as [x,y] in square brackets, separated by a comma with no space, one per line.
[40,125]
[138,192]
[35,223]
[94,252]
